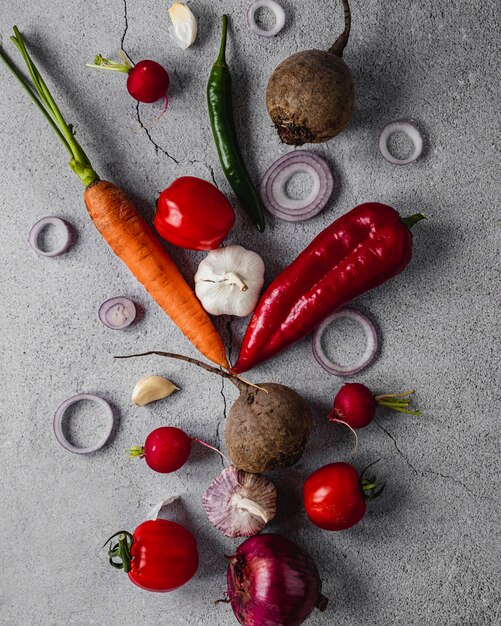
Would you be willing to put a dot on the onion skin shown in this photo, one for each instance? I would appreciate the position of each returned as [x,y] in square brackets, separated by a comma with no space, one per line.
[272,582]
[310,97]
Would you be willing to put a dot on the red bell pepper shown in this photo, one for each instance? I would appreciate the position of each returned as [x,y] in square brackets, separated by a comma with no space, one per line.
[359,251]
[192,213]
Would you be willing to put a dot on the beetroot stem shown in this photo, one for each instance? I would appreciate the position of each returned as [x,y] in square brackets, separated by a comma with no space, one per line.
[236,380]
[340,44]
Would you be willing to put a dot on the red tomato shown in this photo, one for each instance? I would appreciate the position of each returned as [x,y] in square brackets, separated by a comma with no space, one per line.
[164,556]
[334,498]
[192,213]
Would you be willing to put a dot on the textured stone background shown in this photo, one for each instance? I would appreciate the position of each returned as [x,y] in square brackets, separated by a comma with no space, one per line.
[428,550]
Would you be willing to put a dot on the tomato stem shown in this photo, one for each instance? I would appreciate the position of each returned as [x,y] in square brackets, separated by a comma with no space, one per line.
[121,550]
[369,486]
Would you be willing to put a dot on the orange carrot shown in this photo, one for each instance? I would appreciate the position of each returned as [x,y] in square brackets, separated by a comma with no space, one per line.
[123,228]
[133,241]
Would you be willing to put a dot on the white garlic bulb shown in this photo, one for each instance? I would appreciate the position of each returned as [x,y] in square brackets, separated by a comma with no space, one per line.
[229,281]
[240,504]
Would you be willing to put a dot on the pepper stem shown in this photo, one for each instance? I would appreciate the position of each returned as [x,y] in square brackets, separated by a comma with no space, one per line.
[136,451]
[413,219]
[221,59]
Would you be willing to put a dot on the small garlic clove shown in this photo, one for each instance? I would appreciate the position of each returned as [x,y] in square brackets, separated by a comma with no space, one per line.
[151,388]
[240,504]
[184,25]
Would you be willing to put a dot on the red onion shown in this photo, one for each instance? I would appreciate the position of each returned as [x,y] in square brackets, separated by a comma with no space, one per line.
[63,227]
[401,126]
[117,313]
[367,357]
[275,180]
[272,582]
[279,17]
[58,423]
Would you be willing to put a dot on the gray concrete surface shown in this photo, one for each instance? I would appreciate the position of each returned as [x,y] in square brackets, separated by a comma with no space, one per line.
[428,552]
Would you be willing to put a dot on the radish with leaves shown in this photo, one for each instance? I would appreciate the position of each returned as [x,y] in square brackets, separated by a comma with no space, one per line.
[147,81]
[355,405]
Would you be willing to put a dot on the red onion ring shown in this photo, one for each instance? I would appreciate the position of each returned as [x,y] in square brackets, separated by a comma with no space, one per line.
[58,423]
[61,225]
[370,350]
[117,313]
[279,17]
[411,131]
[275,180]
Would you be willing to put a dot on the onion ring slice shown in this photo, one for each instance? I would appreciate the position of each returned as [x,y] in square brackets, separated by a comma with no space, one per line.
[117,313]
[274,183]
[58,423]
[279,17]
[368,355]
[411,131]
[63,227]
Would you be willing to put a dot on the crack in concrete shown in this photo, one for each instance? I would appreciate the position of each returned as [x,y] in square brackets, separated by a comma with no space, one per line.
[454,479]
[122,47]
[397,448]
[229,348]
[150,138]
[211,170]
[426,471]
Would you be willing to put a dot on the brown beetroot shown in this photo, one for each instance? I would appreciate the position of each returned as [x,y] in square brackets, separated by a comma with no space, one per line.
[310,94]
[267,428]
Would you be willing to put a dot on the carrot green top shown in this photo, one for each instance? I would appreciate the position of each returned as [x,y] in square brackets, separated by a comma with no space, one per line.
[42,97]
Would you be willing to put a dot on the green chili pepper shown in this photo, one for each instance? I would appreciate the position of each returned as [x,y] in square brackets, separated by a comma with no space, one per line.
[223,129]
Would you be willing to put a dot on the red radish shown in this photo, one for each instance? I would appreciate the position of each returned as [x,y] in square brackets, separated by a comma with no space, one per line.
[147,81]
[355,405]
[166,449]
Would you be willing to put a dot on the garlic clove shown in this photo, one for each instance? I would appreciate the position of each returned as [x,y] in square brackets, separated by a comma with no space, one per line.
[184,25]
[240,504]
[152,388]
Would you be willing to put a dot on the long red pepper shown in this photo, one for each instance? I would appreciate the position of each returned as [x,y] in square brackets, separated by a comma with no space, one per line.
[359,251]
